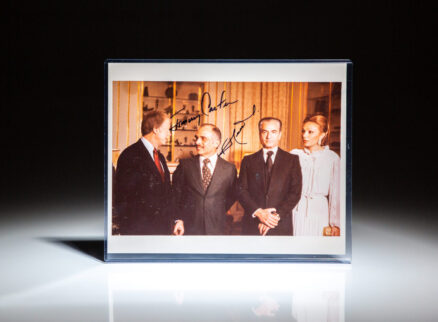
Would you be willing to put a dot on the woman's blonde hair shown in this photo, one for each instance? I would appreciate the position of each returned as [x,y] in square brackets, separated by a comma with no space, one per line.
[322,122]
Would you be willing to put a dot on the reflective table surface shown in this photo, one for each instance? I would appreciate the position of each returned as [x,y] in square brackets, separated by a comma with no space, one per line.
[52,270]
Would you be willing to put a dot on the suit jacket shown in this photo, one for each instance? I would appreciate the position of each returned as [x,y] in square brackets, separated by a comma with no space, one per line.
[142,201]
[204,212]
[282,192]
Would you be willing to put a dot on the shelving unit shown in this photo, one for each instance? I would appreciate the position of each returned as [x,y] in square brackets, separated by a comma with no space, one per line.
[335,117]
[182,100]
[325,98]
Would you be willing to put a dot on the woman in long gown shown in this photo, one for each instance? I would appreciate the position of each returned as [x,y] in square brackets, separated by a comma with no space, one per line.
[319,203]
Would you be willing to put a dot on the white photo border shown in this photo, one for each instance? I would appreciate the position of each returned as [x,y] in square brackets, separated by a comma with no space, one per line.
[232,248]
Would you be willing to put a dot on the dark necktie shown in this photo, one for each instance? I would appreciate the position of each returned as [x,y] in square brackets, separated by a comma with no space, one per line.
[206,174]
[269,162]
[158,164]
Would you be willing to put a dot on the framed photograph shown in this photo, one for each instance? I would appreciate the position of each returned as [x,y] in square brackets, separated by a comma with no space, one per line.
[228,160]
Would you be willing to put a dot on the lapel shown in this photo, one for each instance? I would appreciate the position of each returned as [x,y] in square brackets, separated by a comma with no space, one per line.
[149,162]
[276,168]
[217,173]
[196,174]
[259,167]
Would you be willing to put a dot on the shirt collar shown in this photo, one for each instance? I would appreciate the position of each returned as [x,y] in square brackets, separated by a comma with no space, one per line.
[213,159]
[265,151]
[148,146]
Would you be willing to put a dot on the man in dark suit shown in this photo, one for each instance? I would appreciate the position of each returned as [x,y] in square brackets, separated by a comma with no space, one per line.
[204,187]
[269,184]
[142,186]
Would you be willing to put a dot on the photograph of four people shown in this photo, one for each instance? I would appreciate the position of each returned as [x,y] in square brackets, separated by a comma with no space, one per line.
[206,190]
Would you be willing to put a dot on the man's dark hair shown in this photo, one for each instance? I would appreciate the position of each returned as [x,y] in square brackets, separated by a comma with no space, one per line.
[269,118]
[214,129]
[152,120]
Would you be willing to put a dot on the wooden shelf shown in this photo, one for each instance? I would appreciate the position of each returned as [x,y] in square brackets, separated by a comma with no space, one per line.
[182,114]
[185,108]
[186,99]
[169,98]
[157,97]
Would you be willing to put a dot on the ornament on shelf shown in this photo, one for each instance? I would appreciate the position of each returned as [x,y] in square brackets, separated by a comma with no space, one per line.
[146,108]
[169,92]
[168,109]
[193,96]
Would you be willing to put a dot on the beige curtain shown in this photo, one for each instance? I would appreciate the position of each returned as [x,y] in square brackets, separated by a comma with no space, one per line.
[286,101]
[127,115]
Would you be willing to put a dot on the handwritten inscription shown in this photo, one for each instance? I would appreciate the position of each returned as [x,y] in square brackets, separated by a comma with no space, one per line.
[181,123]
[222,104]
[228,143]
[206,98]
[177,112]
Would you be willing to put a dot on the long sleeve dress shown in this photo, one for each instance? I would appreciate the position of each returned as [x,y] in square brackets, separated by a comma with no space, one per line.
[320,197]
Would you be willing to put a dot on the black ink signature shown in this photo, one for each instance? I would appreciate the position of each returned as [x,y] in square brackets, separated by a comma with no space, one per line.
[222,104]
[229,141]
[181,123]
[177,112]
[205,96]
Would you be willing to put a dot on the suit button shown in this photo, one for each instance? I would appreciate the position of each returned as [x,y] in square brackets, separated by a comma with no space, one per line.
[156,213]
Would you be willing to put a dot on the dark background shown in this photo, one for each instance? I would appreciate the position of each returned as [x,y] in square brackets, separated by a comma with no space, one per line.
[52,120]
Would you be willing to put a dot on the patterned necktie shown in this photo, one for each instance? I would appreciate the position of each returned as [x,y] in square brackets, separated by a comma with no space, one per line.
[158,164]
[269,162]
[206,174]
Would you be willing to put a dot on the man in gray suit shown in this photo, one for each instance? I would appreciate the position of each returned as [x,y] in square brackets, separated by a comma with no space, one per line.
[204,187]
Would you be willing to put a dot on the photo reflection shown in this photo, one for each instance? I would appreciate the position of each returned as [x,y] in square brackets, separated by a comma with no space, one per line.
[219,293]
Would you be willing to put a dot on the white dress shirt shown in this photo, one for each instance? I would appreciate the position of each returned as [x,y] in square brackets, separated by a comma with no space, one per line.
[150,149]
[211,165]
[265,154]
